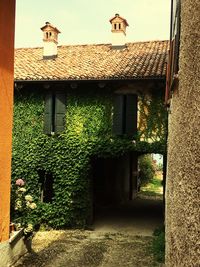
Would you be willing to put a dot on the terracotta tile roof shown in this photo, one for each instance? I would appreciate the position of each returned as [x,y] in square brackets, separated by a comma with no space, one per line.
[90,62]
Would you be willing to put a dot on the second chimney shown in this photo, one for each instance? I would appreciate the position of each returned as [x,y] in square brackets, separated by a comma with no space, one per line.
[50,41]
[119,25]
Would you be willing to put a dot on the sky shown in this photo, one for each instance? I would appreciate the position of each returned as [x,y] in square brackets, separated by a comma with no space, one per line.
[87,21]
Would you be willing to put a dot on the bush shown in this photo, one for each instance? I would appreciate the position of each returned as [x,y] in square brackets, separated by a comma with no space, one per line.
[158,245]
[22,208]
[146,169]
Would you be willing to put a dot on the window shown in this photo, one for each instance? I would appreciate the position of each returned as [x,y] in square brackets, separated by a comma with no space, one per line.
[115,26]
[125,115]
[173,58]
[54,112]
[46,186]
[119,26]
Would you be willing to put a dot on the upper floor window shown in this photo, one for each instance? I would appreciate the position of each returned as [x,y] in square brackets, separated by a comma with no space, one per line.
[125,114]
[54,112]
[173,58]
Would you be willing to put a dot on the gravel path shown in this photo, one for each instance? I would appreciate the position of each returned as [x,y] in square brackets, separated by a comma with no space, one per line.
[89,249]
[122,238]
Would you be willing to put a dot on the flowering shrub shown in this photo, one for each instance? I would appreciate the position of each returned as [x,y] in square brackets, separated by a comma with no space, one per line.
[20,182]
[23,207]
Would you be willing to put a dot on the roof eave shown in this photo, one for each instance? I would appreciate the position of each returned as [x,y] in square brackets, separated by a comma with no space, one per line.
[160,78]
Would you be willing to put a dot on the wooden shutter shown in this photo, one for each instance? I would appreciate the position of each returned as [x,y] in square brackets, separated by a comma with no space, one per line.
[48,109]
[131,115]
[177,39]
[167,88]
[118,115]
[60,112]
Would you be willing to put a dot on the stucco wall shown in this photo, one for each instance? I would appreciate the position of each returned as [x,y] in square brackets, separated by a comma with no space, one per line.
[7,18]
[183,177]
[13,249]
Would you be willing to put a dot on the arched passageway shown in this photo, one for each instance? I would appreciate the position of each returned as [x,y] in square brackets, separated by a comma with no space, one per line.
[117,203]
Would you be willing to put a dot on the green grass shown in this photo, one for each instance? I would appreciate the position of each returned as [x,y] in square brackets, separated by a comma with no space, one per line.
[153,188]
[158,245]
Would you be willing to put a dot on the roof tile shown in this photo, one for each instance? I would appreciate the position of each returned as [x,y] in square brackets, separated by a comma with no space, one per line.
[93,62]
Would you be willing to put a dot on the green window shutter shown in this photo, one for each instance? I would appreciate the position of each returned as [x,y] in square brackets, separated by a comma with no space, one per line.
[48,107]
[60,112]
[118,115]
[131,114]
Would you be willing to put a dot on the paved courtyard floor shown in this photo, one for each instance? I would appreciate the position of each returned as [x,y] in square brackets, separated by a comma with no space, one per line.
[121,237]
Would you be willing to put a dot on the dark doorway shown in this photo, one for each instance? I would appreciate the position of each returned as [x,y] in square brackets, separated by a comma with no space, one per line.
[114,181]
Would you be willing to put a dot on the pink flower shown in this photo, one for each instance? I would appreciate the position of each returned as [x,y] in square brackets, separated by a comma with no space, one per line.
[20,182]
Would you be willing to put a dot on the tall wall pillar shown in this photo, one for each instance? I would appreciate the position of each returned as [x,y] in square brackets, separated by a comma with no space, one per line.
[7,22]
[183,167]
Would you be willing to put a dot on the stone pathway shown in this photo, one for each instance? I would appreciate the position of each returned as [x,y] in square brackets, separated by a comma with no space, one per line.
[121,237]
[138,217]
[89,249]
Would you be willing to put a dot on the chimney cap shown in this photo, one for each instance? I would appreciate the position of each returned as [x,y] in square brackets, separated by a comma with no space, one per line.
[48,24]
[118,16]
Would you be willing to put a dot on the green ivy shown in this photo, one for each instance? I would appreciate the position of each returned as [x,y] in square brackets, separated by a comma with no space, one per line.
[153,122]
[68,156]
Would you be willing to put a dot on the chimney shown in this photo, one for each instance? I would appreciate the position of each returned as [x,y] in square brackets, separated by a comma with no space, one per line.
[50,41]
[119,25]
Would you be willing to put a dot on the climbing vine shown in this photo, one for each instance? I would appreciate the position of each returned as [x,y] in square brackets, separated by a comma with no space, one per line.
[67,157]
[153,117]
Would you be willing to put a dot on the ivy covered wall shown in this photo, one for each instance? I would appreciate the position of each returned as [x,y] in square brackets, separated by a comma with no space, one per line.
[67,157]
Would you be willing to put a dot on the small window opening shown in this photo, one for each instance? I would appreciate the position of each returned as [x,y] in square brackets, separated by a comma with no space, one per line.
[47,35]
[119,26]
[50,33]
[46,186]
[115,26]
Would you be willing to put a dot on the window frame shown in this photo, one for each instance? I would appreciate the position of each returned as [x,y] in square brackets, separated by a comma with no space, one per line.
[54,112]
[123,114]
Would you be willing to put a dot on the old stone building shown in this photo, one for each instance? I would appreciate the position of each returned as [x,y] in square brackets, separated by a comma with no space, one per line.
[77,130]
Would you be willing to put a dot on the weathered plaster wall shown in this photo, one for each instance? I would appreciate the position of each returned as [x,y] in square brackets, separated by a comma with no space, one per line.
[13,249]
[7,18]
[183,177]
